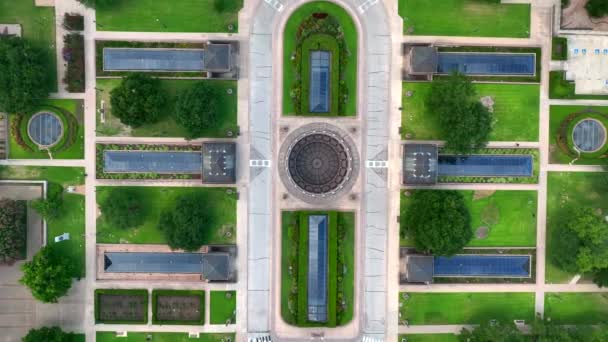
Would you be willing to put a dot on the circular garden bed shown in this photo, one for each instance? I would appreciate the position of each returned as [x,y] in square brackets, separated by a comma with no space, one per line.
[584,135]
[46,128]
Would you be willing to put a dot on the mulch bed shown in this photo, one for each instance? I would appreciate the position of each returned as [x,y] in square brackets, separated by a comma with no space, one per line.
[122,307]
[178,308]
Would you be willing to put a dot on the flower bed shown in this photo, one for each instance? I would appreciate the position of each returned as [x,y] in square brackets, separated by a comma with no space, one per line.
[73,54]
[101,148]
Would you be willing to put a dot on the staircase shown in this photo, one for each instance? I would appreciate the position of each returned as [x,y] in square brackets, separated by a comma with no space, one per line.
[3,136]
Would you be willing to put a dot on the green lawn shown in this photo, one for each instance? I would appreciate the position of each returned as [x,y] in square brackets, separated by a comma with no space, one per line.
[510,215]
[38,26]
[158,199]
[429,338]
[559,88]
[74,151]
[472,18]
[167,127]
[161,337]
[516,108]
[557,115]
[577,308]
[71,217]
[571,190]
[289,46]
[163,16]
[222,308]
[466,308]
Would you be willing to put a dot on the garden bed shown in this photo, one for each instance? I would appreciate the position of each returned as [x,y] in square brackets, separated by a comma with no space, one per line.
[559,50]
[562,122]
[101,148]
[496,151]
[499,49]
[71,143]
[185,307]
[318,18]
[101,44]
[118,306]
[73,54]
[294,269]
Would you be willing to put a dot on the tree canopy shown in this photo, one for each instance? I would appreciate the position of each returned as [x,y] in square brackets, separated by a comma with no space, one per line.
[50,207]
[23,75]
[123,208]
[48,334]
[438,221]
[494,332]
[597,8]
[48,275]
[13,230]
[139,99]
[196,109]
[93,3]
[579,243]
[186,226]
[463,121]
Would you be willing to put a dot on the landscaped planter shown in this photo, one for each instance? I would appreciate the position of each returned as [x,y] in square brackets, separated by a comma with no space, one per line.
[185,307]
[120,306]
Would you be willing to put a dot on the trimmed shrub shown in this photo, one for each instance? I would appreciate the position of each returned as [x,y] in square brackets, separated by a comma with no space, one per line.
[73,54]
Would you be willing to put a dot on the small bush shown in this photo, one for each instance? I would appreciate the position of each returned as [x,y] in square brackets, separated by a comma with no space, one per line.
[597,8]
[73,22]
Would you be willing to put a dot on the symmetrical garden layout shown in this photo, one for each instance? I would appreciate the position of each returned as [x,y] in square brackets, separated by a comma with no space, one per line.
[345,170]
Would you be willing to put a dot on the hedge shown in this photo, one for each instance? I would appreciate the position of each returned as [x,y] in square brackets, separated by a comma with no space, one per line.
[302,318]
[198,293]
[73,54]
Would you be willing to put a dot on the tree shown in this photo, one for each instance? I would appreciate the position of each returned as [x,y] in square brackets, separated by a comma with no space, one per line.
[592,230]
[492,332]
[48,275]
[186,226]
[439,221]
[46,334]
[139,99]
[50,208]
[464,122]
[196,109]
[600,277]
[546,331]
[123,208]
[221,6]
[566,244]
[23,75]
[13,230]
[597,8]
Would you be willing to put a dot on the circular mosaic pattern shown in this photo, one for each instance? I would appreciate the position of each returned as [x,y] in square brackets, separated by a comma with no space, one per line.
[318,163]
[45,129]
[589,135]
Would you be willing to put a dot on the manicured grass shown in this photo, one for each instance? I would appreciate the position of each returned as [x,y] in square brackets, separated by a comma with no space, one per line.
[158,199]
[557,115]
[429,338]
[163,16]
[559,50]
[38,26]
[467,308]
[71,216]
[510,215]
[289,47]
[577,308]
[166,126]
[222,308]
[571,190]
[74,151]
[294,282]
[161,337]
[186,293]
[516,108]
[472,18]
[559,88]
